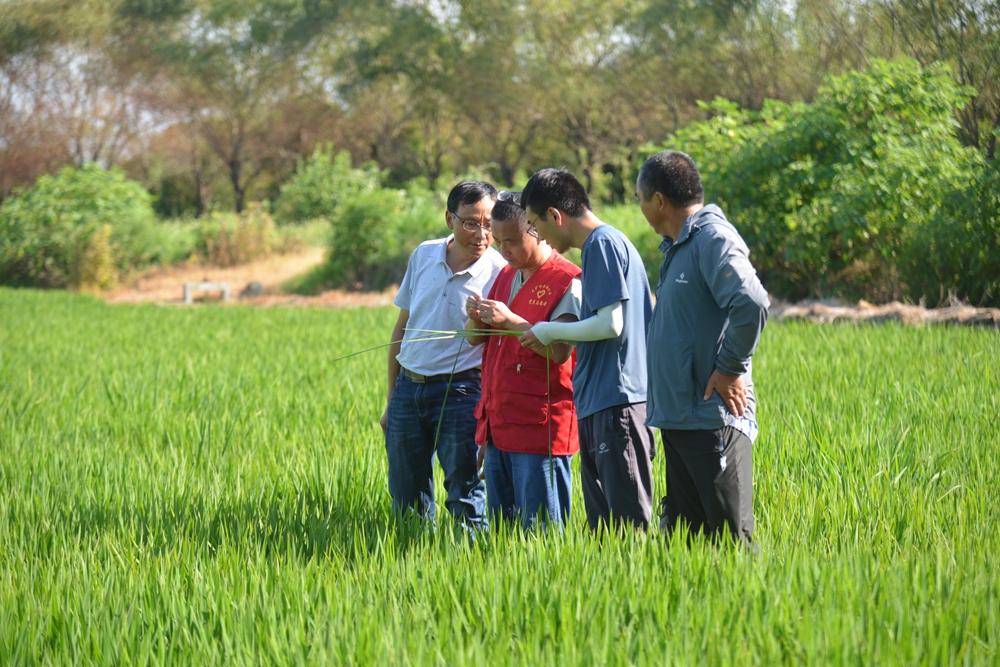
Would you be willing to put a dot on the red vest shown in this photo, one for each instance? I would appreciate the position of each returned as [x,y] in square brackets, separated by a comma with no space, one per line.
[518,407]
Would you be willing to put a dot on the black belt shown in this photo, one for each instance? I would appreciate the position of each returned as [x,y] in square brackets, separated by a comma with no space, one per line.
[471,374]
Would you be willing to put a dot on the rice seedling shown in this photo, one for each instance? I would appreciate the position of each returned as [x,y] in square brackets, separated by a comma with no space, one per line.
[208,485]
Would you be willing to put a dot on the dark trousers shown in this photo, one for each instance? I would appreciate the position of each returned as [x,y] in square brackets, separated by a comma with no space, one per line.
[616,466]
[709,482]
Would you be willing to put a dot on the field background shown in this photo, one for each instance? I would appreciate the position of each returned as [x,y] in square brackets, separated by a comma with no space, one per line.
[206,485]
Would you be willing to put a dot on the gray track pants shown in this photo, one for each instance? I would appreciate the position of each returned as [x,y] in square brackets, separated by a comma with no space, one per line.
[616,466]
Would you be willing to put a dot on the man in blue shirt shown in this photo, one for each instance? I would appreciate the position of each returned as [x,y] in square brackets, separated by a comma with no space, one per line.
[710,312]
[609,383]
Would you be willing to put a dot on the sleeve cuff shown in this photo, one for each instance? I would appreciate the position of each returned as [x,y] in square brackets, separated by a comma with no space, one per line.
[541,331]
[728,367]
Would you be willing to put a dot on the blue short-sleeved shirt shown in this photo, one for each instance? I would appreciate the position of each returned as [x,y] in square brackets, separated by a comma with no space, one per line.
[612,372]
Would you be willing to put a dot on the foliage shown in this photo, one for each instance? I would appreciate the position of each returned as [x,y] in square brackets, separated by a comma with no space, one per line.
[313,234]
[959,252]
[230,239]
[97,266]
[428,88]
[179,240]
[82,226]
[321,183]
[831,196]
[89,227]
[374,234]
[203,486]
[235,80]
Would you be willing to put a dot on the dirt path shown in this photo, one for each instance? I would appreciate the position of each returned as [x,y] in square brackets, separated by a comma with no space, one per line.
[166,285]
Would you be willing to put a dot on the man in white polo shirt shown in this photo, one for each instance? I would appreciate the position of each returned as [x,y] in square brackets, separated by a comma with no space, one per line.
[441,275]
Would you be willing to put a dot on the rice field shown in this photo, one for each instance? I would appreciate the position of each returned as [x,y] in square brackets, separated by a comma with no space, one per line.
[207,486]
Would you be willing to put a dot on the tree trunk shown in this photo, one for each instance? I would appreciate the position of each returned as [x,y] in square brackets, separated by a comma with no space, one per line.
[506,173]
[991,151]
[238,190]
[199,197]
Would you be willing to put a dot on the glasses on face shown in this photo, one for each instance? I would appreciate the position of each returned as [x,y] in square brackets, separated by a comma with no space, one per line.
[470,226]
[533,226]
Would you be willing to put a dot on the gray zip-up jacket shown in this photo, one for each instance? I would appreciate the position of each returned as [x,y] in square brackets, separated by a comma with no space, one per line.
[710,312]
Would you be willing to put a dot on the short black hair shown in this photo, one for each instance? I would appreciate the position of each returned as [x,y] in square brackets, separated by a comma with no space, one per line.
[468,193]
[509,209]
[555,188]
[672,174]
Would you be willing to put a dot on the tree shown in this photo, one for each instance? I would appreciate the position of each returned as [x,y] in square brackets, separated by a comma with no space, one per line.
[418,54]
[594,79]
[235,78]
[966,35]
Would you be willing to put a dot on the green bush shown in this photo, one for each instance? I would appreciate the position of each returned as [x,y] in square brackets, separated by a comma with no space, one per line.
[374,233]
[230,239]
[838,197]
[82,227]
[179,240]
[959,253]
[321,183]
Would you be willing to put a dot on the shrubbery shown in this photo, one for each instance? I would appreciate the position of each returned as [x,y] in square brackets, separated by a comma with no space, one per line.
[321,183]
[373,229]
[89,227]
[373,234]
[83,227]
[960,250]
[866,193]
[230,239]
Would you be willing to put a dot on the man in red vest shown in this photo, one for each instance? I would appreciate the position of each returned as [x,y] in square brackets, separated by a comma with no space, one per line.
[527,420]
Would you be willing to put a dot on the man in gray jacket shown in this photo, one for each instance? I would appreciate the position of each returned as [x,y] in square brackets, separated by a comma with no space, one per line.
[710,312]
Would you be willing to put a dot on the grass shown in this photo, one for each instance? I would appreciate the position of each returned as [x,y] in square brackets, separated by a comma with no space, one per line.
[191,485]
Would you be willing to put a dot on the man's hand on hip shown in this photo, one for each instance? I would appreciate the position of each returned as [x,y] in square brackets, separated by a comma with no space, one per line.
[731,389]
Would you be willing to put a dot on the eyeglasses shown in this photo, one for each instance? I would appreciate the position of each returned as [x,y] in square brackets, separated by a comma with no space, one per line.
[504,195]
[533,226]
[470,226]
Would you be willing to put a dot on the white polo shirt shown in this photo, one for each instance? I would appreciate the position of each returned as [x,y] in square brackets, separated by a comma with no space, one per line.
[436,299]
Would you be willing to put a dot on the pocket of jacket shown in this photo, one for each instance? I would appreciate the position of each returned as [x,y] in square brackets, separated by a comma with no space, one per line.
[524,401]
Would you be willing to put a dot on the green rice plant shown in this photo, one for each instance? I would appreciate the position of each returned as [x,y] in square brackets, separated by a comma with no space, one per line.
[208,485]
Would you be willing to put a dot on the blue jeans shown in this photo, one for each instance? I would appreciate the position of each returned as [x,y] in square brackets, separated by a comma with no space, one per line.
[414,412]
[522,485]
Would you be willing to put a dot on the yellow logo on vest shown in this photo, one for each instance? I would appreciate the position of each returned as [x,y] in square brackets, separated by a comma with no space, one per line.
[540,295]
